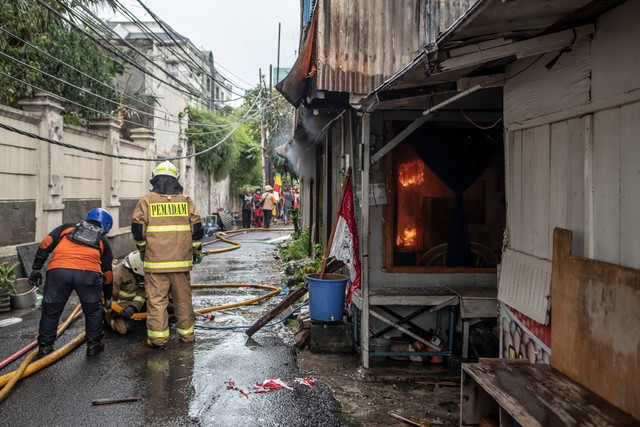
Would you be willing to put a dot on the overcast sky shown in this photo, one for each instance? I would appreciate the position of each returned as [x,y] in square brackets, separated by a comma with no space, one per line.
[242,34]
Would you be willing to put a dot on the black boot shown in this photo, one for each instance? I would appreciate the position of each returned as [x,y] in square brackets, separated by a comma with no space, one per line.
[94,347]
[43,350]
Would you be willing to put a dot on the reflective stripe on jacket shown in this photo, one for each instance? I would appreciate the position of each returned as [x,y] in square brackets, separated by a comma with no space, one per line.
[167,221]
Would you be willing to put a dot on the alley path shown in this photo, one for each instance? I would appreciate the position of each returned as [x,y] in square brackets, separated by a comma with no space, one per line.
[185,384]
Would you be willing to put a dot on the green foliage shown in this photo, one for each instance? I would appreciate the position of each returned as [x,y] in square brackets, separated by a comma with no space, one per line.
[278,122]
[38,27]
[8,277]
[248,170]
[207,129]
[298,250]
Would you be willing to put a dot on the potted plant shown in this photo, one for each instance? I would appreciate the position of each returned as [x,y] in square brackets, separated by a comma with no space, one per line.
[7,284]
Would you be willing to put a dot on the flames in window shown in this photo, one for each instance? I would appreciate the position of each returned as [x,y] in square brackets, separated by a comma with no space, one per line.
[411,173]
[407,237]
[411,180]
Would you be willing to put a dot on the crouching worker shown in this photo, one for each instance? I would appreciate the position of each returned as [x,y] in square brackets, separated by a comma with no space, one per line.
[128,293]
[81,261]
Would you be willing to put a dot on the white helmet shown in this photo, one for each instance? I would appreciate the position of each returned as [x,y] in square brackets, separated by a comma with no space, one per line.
[165,168]
[134,263]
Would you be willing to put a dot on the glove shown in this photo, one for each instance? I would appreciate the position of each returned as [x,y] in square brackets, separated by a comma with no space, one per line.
[107,304]
[127,312]
[197,258]
[141,255]
[35,278]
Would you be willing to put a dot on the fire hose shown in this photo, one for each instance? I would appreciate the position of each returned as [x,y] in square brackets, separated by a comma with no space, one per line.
[29,367]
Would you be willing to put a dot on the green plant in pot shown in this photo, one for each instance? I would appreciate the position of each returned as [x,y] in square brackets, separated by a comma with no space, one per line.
[7,284]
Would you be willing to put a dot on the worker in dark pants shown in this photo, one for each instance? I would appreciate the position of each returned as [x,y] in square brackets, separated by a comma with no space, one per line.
[81,261]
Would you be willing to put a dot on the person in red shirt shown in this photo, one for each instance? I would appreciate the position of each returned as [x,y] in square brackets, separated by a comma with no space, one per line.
[81,261]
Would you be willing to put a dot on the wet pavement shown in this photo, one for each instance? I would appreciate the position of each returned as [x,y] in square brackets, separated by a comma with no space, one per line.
[212,382]
[186,384]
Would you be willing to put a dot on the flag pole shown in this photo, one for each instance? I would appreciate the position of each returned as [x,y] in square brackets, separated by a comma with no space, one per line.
[334,224]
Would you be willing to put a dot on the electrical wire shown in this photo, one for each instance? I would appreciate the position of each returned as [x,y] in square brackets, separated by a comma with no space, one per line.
[84,90]
[117,156]
[118,92]
[113,49]
[477,125]
[92,22]
[170,32]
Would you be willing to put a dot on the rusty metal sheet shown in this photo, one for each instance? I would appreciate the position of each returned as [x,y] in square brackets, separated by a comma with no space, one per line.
[361,44]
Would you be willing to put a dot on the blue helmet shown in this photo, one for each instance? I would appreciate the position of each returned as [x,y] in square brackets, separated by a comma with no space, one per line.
[102,216]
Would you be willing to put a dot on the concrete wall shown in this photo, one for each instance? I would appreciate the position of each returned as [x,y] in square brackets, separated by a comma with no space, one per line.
[45,184]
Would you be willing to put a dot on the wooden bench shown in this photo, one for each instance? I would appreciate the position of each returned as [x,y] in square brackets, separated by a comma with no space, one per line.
[532,395]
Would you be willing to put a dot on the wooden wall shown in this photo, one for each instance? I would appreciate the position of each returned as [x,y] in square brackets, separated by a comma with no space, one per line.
[573,158]
[595,335]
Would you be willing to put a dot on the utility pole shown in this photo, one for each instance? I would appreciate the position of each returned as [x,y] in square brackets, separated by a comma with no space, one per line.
[278,63]
[263,131]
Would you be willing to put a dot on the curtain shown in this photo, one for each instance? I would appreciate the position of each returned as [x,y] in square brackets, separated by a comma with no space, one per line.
[458,157]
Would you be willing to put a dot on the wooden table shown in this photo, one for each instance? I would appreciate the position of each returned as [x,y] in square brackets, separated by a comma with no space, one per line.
[532,395]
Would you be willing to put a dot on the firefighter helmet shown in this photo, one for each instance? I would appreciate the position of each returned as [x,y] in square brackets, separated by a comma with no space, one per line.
[101,216]
[165,168]
[134,263]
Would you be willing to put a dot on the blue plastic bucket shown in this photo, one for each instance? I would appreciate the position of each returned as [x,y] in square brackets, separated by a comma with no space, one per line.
[326,297]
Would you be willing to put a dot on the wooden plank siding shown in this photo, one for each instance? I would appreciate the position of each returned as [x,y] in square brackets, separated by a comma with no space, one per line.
[629,185]
[555,174]
[606,185]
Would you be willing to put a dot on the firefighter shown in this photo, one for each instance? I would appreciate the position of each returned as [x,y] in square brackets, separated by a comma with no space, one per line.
[168,233]
[128,293]
[81,261]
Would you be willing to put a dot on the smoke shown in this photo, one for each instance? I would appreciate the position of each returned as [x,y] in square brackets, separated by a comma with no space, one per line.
[300,151]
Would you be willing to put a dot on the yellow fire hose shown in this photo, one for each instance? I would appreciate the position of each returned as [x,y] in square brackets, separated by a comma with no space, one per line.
[9,380]
[46,360]
[28,367]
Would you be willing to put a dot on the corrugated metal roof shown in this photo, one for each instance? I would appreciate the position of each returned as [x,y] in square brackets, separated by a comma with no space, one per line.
[486,20]
[362,43]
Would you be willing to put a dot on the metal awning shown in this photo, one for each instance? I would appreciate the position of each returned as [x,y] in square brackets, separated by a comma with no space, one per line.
[483,41]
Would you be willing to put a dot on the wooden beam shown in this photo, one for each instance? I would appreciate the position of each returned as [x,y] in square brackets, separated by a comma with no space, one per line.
[522,49]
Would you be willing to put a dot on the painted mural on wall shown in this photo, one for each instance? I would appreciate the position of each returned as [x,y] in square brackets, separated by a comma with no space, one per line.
[524,338]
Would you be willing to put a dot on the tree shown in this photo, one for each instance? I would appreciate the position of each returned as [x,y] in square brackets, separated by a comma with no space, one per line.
[207,129]
[278,122]
[37,52]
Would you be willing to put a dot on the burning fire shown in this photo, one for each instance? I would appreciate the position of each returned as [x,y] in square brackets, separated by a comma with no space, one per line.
[409,237]
[411,173]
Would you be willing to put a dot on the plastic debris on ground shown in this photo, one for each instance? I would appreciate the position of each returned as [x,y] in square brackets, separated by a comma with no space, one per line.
[270,385]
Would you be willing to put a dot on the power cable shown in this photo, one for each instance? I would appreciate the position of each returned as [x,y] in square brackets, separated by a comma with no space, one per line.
[170,33]
[91,20]
[115,50]
[115,117]
[115,156]
[118,92]
[123,94]
[92,93]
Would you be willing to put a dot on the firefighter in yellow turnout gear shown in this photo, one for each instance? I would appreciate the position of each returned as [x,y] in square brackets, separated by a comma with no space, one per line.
[128,293]
[168,233]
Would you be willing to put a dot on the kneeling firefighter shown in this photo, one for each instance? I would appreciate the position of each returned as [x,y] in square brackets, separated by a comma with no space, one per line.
[128,293]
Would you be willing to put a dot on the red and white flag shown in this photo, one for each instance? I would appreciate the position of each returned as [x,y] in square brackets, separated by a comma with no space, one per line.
[345,239]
